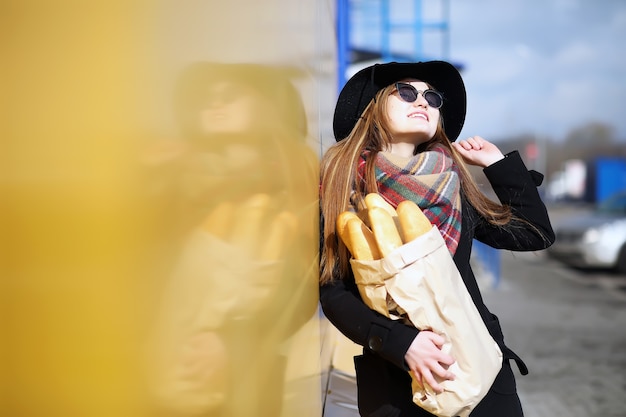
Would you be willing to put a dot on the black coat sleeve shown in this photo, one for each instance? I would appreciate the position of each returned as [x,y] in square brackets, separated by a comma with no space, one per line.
[516,187]
[344,309]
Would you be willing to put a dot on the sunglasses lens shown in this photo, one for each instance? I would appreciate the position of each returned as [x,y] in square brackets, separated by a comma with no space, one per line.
[433,98]
[407,92]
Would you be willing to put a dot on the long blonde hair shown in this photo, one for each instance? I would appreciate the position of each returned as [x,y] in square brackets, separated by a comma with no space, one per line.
[339,171]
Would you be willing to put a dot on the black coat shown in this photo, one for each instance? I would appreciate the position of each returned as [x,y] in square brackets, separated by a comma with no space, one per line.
[384,384]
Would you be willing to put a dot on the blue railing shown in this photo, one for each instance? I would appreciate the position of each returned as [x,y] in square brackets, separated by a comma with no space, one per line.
[488,260]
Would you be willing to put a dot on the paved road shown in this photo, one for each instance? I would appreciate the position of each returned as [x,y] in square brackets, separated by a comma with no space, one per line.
[570,328]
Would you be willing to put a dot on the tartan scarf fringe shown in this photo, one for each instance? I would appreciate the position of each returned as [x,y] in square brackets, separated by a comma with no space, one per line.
[430,179]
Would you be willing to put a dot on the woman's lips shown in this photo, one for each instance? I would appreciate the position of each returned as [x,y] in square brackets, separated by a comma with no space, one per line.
[418,114]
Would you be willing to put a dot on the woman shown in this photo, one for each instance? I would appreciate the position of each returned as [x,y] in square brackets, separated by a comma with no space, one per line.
[393,121]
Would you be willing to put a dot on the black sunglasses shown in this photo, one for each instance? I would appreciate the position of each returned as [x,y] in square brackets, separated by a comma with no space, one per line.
[409,94]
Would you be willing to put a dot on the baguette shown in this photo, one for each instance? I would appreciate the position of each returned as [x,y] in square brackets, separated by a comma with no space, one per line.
[376,200]
[342,222]
[356,236]
[385,230]
[413,221]
[362,240]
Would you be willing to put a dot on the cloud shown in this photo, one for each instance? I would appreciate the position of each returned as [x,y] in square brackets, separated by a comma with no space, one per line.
[541,67]
[523,50]
[618,20]
[578,53]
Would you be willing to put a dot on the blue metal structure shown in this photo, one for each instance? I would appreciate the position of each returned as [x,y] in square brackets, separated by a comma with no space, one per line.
[343,41]
[391,30]
[489,259]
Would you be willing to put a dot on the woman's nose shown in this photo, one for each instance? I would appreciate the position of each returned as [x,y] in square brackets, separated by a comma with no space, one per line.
[216,100]
[420,100]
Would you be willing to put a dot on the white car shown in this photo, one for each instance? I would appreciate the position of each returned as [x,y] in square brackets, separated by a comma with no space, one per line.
[596,239]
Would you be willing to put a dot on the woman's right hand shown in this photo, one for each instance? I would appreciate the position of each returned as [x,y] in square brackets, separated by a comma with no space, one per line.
[426,359]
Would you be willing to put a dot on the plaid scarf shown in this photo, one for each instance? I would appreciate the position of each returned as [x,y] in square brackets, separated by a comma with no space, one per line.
[430,179]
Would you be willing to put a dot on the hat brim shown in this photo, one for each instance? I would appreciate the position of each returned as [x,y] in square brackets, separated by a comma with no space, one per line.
[363,86]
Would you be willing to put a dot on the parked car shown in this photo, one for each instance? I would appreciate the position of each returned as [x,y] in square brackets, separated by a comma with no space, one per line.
[596,239]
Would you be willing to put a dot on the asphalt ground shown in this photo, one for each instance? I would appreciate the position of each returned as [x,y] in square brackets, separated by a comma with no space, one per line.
[569,326]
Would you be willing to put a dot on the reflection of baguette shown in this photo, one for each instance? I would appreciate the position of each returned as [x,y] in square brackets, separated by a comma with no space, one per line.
[218,222]
[413,222]
[385,230]
[281,231]
[246,231]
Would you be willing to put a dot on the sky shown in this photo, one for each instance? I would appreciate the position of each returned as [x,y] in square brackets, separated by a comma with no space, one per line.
[541,67]
[538,67]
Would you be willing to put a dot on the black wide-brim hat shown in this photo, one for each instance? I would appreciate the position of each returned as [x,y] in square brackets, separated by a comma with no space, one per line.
[363,86]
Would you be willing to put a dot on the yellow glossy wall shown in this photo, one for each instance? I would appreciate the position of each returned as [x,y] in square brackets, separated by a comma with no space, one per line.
[147,271]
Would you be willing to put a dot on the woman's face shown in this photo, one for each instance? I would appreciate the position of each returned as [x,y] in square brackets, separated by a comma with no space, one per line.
[230,107]
[414,122]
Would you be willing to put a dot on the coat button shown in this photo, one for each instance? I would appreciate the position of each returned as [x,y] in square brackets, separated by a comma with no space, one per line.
[375,343]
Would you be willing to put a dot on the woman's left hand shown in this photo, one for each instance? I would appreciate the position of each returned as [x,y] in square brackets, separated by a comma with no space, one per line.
[477,151]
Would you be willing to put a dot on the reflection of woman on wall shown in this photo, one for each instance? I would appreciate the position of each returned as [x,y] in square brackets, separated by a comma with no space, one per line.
[245,199]
[239,121]
[396,126]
